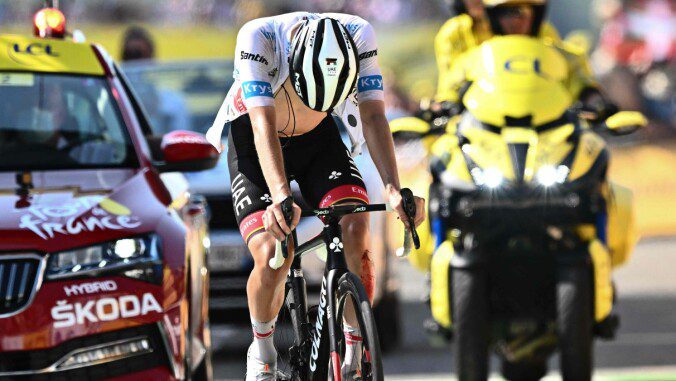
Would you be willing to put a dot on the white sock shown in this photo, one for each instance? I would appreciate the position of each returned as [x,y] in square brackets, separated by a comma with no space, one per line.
[264,347]
[353,349]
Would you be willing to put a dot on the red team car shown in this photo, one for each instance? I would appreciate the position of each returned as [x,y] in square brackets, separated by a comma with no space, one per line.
[102,248]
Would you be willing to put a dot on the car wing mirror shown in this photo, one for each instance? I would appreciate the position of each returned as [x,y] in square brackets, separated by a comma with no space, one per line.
[186,151]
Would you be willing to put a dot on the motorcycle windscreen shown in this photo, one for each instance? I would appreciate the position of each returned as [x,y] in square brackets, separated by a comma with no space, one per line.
[517,78]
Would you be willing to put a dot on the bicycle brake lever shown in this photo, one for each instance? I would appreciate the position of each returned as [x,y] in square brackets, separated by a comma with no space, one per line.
[411,210]
[287,211]
[281,248]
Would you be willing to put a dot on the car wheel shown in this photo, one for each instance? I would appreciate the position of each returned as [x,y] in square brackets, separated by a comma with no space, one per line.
[388,321]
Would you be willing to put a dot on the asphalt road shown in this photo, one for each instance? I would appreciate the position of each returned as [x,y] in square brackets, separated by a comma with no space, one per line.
[645,348]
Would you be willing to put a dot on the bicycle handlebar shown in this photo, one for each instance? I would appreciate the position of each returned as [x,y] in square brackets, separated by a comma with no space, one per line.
[410,237]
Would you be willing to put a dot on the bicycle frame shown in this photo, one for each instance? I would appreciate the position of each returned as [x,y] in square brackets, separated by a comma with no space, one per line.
[310,355]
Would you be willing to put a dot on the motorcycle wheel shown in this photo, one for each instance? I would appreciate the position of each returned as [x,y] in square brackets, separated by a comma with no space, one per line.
[470,322]
[524,371]
[575,322]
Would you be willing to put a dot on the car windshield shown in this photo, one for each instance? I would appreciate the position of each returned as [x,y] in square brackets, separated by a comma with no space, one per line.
[50,121]
[184,95]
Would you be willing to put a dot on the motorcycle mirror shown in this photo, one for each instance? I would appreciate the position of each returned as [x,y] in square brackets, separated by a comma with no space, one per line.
[580,41]
[626,122]
[409,127]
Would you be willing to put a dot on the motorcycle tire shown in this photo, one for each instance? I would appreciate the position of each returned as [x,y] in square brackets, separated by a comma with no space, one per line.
[524,371]
[471,324]
[575,322]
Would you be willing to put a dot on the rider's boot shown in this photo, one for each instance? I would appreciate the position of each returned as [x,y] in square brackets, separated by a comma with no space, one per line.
[257,370]
[261,358]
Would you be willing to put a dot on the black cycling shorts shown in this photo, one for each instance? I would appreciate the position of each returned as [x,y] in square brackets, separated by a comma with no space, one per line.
[318,161]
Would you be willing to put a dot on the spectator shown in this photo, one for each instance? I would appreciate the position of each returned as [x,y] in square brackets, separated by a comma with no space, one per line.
[167,109]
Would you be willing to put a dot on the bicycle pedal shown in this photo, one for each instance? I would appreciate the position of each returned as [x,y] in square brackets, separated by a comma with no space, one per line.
[281,376]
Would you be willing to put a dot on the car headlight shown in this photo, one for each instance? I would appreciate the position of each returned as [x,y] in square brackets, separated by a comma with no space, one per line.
[549,175]
[489,177]
[137,257]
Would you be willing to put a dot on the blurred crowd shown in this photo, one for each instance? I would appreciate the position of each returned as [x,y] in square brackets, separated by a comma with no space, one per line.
[226,12]
[636,55]
[633,49]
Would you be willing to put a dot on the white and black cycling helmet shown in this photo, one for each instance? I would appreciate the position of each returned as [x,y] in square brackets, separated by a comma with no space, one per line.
[323,63]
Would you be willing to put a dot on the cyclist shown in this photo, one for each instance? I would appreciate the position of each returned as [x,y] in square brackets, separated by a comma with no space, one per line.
[469,28]
[291,72]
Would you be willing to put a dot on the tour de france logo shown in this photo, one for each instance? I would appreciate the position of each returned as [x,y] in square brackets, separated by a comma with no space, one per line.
[82,215]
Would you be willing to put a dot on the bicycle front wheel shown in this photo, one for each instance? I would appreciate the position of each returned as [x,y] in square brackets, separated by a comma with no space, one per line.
[351,290]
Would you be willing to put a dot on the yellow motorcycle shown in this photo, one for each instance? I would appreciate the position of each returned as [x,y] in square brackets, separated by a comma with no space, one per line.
[528,227]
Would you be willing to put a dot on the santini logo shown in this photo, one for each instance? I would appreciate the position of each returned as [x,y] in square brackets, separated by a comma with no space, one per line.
[368,54]
[254,57]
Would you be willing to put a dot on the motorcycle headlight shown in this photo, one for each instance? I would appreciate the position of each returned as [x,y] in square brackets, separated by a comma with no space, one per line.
[490,177]
[137,257]
[549,175]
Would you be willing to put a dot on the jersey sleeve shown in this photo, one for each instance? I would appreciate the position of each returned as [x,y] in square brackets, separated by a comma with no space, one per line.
[254,59]
[370,80]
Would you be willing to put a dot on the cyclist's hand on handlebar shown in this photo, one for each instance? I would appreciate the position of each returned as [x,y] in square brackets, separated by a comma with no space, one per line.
[396,202]
[275,223]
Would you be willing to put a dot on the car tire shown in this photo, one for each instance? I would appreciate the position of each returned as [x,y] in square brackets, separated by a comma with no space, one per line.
[388,321]
[471,323]
[575,322]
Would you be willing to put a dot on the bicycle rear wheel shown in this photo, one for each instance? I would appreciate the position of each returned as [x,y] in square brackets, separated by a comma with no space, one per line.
[350,289]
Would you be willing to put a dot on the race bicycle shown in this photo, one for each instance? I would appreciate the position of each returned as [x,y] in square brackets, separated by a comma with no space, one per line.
[317,348]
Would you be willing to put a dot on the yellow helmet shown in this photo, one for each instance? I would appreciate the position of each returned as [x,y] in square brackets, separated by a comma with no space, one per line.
[492,11]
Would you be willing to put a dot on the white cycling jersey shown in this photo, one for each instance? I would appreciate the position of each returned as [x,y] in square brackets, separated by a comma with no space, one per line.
[262,66]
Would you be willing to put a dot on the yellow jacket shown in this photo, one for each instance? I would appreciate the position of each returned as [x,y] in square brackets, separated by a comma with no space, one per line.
[459,35]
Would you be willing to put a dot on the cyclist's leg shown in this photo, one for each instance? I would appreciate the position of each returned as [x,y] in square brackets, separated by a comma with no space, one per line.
[334,179]
[250,198]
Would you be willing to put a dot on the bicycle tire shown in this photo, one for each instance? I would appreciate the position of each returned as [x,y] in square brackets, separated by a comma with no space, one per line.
[350,287]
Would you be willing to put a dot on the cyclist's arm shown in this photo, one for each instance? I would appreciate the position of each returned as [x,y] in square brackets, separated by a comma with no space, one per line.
[381,147]
[269,151]
[254,58]
[379,141]
[375,127]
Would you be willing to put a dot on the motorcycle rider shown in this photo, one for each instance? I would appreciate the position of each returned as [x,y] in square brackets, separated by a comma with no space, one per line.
[469,28]
[291,72]
[526,17]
